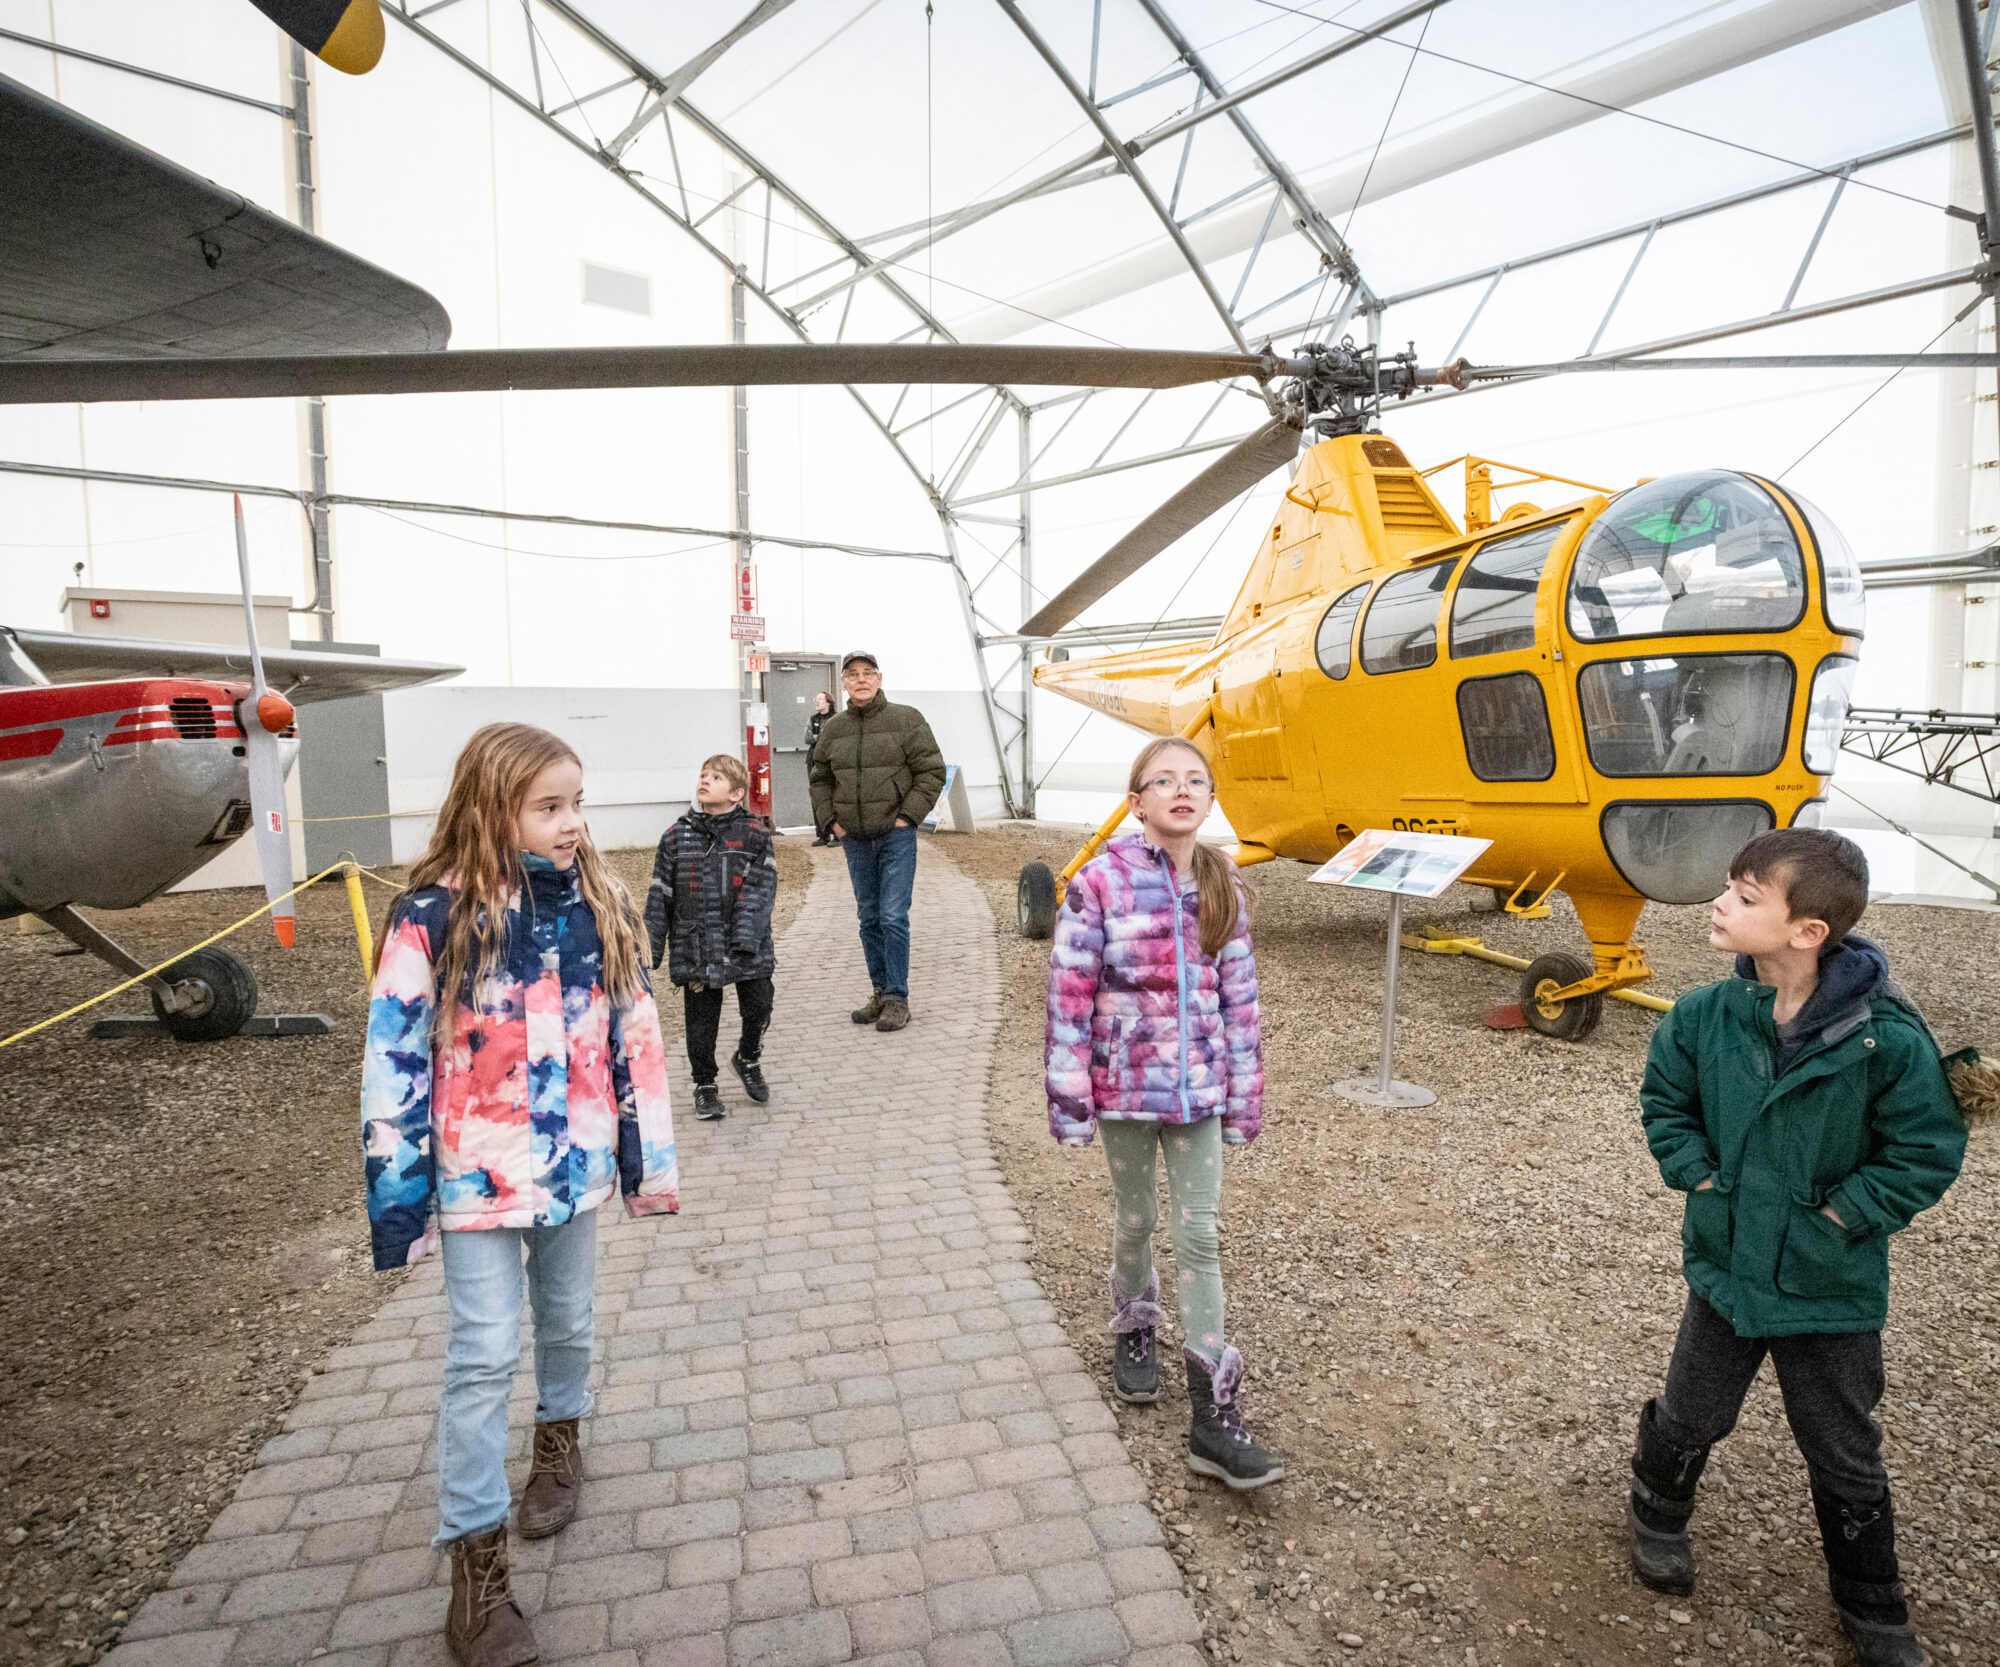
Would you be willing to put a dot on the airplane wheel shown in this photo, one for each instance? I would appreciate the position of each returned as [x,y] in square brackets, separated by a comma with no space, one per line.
[1567,1021]
[1035,901]
[225,997]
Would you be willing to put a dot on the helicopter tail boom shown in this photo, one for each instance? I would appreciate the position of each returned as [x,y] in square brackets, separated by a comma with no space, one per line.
[1141,687]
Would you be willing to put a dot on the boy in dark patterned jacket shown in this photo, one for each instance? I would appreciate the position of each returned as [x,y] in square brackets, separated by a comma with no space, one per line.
[709,913]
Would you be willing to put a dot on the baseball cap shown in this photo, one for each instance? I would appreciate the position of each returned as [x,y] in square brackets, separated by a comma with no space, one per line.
[854,654]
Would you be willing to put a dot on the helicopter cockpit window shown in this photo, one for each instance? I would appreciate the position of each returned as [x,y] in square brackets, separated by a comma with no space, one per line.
[1493,611]
[1333,643]
[1401,630]
[1693,715]
[1826,711]
[1839,571]
[1688,555]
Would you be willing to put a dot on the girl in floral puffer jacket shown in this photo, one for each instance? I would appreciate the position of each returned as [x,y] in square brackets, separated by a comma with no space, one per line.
[1152,1037]
[513,1081]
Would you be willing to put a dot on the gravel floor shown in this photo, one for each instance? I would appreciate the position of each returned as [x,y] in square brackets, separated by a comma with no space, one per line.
[182,1238]
[1452,1316]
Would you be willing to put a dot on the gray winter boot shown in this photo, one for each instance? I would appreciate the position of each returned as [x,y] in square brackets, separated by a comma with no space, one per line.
[1218,1444]
[1135,1362]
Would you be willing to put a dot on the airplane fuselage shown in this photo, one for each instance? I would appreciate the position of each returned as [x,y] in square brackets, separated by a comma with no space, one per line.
[112,792]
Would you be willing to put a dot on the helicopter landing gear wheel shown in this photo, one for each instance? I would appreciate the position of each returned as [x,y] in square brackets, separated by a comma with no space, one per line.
[1567,1021]
[224,993]
[1035,901]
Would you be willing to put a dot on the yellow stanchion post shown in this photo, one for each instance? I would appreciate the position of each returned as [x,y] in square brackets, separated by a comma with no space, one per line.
[364,935]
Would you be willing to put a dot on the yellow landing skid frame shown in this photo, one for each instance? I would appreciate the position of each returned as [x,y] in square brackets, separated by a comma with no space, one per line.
[1626,966]
[1539,908]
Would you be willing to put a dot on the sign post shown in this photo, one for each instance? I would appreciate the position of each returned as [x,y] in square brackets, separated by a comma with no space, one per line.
[1403,865]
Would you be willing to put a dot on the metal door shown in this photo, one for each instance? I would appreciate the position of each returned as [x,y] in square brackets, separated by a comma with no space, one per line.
[789,689]
[344,781]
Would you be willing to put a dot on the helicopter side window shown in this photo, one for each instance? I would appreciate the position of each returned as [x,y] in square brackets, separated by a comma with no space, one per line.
[1333,643]
[1688,555]
[1401,630]
[1839,571]
[1505,722]
[1690,715]
[1493,610]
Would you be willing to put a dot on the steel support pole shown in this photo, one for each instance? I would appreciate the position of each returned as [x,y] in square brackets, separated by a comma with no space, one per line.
[986,690]
[318,529]
[747,691]
[1025,558]
[1388,1076]
[1983,147]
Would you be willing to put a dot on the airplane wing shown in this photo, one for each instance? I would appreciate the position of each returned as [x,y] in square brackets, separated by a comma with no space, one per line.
[108,250]
[301,675]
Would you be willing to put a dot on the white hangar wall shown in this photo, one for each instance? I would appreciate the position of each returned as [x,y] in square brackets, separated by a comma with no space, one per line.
[424,170]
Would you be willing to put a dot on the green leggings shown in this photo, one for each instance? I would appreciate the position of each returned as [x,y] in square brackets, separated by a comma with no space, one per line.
[1194,1192]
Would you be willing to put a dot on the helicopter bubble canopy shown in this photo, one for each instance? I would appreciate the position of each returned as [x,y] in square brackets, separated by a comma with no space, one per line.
[1688,555]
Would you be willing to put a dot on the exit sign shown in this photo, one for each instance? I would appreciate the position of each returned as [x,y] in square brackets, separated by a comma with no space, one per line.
[759,662]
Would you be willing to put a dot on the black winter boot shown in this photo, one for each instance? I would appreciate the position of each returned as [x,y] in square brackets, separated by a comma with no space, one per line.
[707,1102]
[1135,1363]
[1860,1544]
[1662,1500]
[1218,1445]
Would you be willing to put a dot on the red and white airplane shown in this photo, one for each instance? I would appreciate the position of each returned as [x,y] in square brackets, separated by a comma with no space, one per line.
[136,765]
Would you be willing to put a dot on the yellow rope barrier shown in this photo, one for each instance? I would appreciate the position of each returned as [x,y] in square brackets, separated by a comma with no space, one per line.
[152,972]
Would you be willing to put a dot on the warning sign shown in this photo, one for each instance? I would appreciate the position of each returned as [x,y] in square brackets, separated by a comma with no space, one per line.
[746,627]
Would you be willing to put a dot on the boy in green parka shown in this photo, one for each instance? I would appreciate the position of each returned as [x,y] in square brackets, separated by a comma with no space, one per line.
[1802,1107]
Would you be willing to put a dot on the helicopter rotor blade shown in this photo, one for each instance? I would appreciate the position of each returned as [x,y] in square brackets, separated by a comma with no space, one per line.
[1230,475]
[44,381]
[264,715]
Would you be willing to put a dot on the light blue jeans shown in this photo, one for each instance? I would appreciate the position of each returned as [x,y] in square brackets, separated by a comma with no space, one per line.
[482,1282]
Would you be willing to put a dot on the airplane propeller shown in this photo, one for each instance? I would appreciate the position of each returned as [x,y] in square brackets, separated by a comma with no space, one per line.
[266,715]
[344,33]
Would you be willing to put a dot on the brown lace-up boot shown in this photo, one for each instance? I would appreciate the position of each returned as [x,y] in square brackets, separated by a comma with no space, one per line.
[486,1627]
[550,1499]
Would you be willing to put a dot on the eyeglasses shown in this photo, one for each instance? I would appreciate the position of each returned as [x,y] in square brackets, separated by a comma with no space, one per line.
[1173,784]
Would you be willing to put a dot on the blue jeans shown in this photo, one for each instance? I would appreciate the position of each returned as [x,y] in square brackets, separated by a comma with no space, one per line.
[883,868]
[482,1282]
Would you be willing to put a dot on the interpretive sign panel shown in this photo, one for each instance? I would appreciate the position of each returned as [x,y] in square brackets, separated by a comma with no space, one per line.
[1403,864]
[1408,864]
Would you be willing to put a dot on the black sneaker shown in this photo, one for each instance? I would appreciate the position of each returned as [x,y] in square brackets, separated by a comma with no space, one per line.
[753,1077]
[1135,1367]
[708,1102]
[1218,1444]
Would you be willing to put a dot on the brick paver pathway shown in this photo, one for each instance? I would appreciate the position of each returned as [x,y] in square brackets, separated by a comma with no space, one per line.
[836,1417]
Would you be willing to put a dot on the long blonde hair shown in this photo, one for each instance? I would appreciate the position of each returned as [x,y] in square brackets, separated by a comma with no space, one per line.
[1219,896]
[474,850]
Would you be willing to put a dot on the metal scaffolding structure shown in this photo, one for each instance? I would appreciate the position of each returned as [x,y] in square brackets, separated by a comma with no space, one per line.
[594,94]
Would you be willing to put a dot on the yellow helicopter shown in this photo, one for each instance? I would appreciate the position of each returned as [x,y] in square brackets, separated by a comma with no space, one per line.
[1618,693]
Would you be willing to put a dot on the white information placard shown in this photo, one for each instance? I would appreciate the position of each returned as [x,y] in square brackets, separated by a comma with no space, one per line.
[1408,864]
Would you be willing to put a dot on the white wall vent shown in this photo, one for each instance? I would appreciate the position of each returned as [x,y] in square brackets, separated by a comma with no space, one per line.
[606,286]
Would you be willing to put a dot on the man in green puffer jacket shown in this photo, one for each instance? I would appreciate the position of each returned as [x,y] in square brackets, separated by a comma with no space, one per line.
[1802,1107]
[875,773]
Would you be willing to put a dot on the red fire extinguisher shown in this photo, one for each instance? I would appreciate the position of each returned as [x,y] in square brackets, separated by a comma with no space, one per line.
[757,756]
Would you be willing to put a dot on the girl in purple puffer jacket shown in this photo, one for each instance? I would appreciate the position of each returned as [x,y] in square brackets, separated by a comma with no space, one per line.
[1152,1037]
